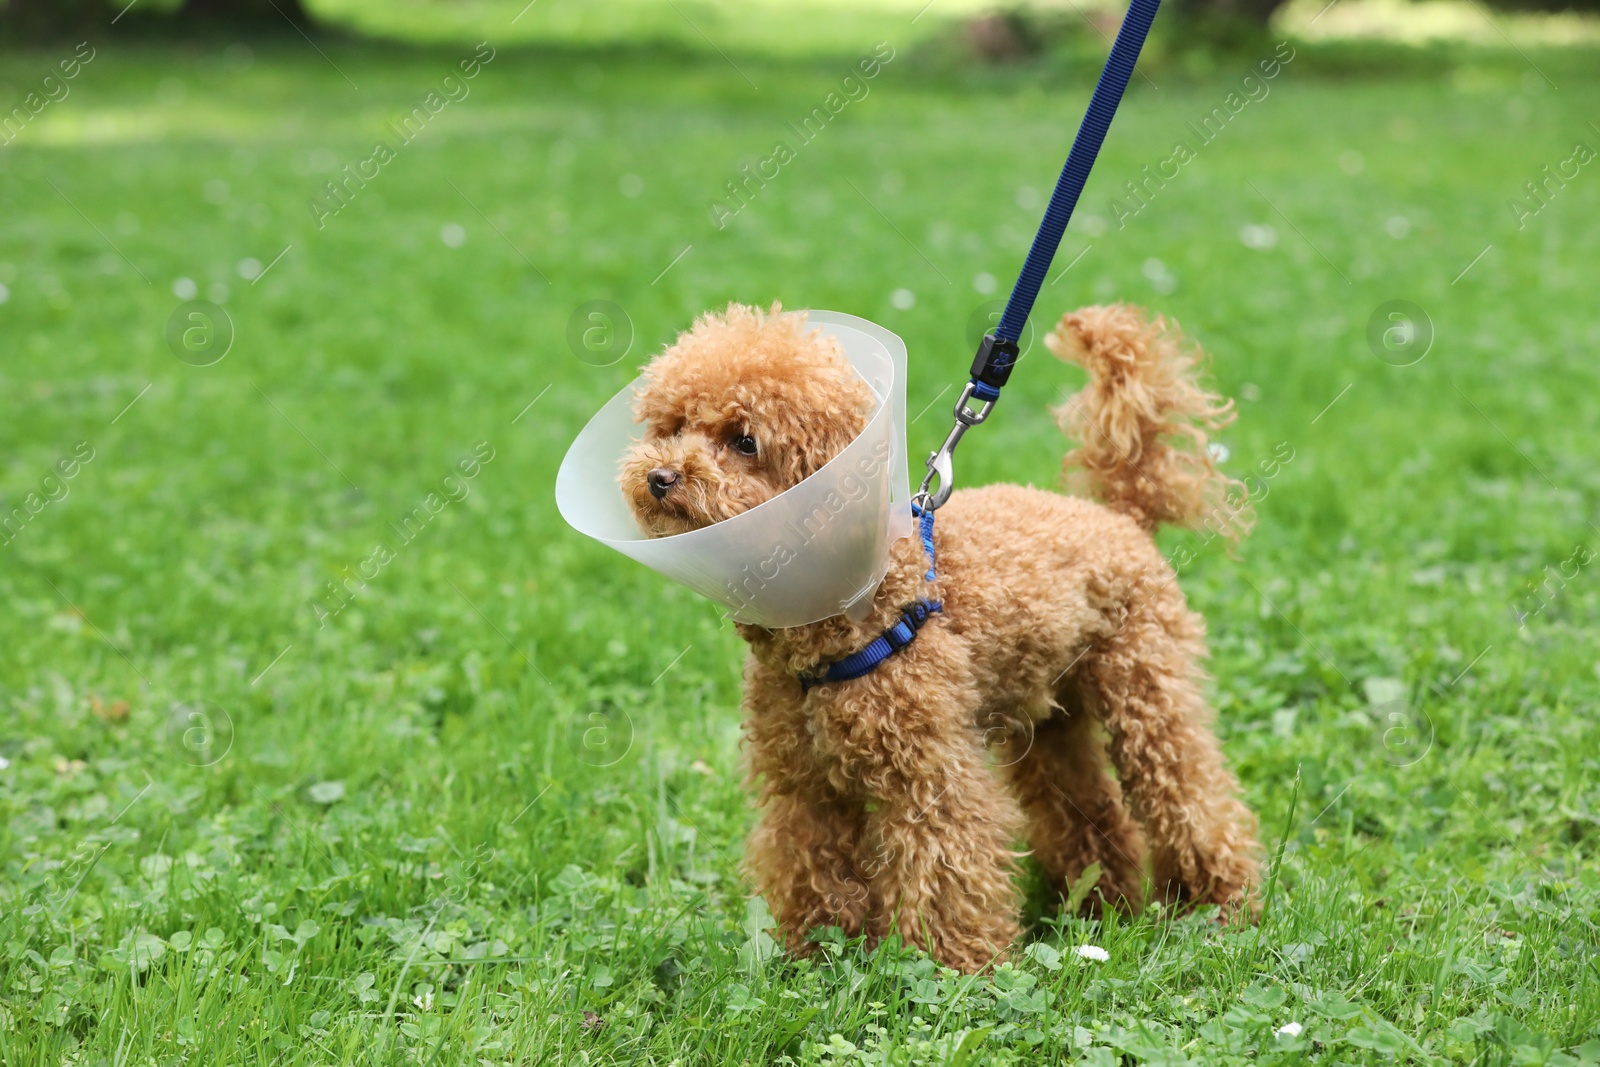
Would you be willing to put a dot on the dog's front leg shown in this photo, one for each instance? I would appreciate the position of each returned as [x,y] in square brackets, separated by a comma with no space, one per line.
[801,856]
[938,852]
[801,859]
[941,865]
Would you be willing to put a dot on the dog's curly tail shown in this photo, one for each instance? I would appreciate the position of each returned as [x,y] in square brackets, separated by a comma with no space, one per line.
[1142,423]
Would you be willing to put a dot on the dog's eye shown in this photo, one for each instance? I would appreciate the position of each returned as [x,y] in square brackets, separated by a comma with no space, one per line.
[745,445]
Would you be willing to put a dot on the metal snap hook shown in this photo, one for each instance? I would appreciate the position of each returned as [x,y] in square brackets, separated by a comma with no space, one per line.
[941,464]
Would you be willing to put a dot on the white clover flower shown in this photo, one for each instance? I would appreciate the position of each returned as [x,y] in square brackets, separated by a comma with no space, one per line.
[1093,952]
[1290,1030]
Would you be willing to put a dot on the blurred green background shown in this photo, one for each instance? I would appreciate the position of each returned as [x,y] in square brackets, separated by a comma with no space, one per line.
[263,800]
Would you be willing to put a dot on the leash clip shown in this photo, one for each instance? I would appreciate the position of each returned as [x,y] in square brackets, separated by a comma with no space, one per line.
[941,467]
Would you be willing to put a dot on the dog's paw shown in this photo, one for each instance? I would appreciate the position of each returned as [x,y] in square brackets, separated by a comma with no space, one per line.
[972,952]
[1229,880]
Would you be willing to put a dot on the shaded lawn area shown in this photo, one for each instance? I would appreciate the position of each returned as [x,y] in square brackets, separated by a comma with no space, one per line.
[485,805]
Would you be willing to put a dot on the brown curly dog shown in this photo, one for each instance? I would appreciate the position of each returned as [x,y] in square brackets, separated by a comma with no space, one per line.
[1064,640]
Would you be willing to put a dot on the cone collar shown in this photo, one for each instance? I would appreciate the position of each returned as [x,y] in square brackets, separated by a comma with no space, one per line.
[814,551]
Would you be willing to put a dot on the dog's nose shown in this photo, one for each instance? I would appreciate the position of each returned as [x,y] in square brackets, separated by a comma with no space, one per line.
[661,479]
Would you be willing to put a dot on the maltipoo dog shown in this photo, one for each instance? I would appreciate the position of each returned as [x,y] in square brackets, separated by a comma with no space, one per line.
[895,802]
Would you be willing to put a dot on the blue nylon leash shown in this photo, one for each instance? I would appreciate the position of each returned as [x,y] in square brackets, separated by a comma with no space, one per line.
[997,353]
[1085,148]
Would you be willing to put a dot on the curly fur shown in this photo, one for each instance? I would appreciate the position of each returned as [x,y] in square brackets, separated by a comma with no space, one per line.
[1143,422]
[892,804]
[714,385]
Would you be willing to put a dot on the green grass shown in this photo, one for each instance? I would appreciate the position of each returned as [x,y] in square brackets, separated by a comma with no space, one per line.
[491,812]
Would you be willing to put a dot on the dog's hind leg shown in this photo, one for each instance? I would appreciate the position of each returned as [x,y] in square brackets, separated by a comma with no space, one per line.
[1076,817]
[1144,682]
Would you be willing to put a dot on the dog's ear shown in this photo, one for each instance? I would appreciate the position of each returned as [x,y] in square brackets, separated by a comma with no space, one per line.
[833,406]
[658,401]
[794,383]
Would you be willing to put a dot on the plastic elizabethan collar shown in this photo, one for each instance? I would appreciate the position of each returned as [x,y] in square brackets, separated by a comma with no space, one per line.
[814,551]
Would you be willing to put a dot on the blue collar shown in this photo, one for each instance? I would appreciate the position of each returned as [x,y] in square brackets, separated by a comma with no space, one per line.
[896,637]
